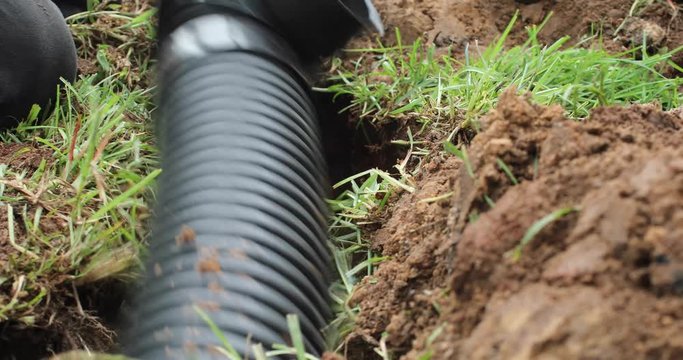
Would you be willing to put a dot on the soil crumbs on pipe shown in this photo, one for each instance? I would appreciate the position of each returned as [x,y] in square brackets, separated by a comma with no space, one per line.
[602,279]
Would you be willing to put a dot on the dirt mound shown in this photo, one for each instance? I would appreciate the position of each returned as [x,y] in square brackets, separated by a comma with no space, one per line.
[603,280]
[457,23]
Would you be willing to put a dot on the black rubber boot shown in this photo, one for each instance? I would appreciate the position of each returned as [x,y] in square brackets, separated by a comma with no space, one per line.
[37,51]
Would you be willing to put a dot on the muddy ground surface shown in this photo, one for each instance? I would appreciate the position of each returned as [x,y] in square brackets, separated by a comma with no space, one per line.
[454,24]
[604,281]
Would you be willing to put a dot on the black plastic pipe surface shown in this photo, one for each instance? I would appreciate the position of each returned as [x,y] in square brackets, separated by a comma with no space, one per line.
[313,28]
[240,226]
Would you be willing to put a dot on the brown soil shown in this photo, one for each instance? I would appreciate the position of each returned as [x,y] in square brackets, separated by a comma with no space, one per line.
[449,23]
[603,282]
[452,25]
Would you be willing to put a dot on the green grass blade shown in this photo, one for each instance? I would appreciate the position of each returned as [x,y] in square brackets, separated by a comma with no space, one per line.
[126,195]
[538,226]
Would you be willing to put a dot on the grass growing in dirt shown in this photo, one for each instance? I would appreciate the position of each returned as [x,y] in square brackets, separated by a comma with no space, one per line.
[353,258]
[413,82]
[116,39]
[74,187]
[78,216]
[448,96]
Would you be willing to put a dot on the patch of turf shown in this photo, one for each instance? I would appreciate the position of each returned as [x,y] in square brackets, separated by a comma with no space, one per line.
[80,215]
[396,82]
[73,213]
[116,39]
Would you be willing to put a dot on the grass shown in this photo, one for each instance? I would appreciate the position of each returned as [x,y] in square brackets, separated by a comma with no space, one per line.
[297,350]
[537,227]
[117,40]
[411,82]
[461,153]
[354,259]
[79,217]
[429,352]
[449,95]
[92,185]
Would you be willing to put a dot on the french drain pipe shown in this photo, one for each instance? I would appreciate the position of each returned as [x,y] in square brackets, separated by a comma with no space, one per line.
[240,218]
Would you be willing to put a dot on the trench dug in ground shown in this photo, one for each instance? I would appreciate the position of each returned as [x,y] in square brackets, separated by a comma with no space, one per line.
[602,281]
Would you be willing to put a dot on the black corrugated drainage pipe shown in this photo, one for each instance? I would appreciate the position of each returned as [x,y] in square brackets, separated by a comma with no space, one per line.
[240,220]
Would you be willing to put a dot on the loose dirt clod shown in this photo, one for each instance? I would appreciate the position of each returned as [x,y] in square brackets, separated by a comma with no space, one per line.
[209,265]
[211,306]
[186,236]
